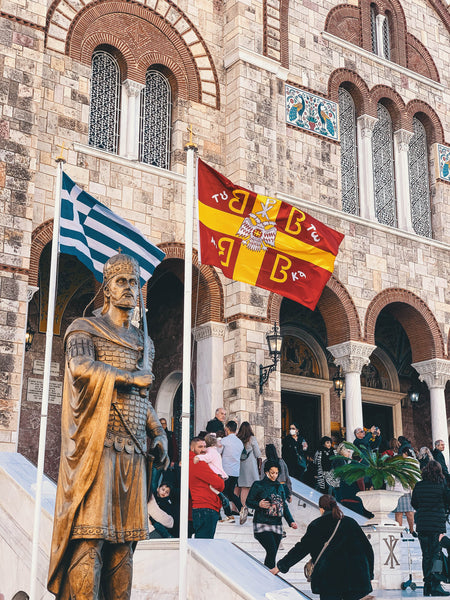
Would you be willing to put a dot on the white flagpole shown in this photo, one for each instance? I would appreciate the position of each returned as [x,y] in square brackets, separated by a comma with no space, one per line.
[46,382]
[191,149]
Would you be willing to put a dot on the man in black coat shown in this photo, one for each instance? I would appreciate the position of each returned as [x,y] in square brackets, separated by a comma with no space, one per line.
[217,424]
[438,455]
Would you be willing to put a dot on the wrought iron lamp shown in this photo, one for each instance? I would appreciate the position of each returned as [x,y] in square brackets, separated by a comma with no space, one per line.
[338,382]
[413,395]
[29,335]
[274,341]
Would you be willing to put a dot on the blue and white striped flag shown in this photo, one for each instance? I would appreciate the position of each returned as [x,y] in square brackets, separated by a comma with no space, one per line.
[93,233]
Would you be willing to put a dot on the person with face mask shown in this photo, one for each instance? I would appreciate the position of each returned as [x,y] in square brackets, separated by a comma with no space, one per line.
[293,452]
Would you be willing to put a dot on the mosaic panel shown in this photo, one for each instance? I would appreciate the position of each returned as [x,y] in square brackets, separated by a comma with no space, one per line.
[311,112]
[443,162]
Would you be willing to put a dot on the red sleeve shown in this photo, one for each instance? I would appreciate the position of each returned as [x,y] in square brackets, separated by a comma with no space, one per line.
[204,473]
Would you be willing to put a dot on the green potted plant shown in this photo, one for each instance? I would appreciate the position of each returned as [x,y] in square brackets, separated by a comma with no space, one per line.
[382,470]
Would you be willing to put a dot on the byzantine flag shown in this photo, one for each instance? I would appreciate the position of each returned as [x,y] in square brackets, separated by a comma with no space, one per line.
[263,241]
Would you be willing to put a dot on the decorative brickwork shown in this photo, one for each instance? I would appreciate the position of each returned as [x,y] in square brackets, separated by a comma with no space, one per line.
[419,59]
[357,88]
[393,102]
[344,21]
[353,24]
[143,36]
[210,293]
[41,236]
[275,30]
[337,309]
[416,319]
[431,121]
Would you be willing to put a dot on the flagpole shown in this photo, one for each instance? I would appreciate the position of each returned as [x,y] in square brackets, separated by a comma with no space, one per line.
[190,149]
[46,381]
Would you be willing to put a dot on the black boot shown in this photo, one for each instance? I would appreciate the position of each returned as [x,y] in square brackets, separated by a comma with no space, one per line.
[438,590]
[427,588]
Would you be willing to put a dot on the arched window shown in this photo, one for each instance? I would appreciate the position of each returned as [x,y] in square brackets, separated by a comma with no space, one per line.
[419,188]
[156,113]
[383,168]
[373,27]
[386,38]
[349,160]
[105,98]
[381,38]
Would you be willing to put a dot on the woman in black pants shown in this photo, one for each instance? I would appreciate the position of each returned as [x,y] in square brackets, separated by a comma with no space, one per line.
[268,499]
[430,498]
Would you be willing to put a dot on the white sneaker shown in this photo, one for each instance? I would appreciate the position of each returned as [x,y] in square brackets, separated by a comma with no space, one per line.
[229,519]
[243,515]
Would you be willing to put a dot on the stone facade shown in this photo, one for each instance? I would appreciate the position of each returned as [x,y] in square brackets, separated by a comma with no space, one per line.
[228,64]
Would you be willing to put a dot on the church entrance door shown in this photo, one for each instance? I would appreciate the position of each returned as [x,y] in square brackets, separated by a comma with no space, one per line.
[304,410]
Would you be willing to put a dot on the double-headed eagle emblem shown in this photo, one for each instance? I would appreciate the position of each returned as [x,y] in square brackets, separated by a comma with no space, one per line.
[257,234]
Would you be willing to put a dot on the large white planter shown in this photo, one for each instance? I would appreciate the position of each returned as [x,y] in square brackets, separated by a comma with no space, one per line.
[380,503]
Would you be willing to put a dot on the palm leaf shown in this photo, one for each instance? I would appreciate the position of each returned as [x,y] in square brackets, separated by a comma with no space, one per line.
[380,468]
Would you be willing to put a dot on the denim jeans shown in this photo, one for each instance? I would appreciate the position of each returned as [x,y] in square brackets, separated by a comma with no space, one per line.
[204,521]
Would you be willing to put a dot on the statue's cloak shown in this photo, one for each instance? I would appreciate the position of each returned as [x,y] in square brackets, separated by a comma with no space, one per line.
[84,420]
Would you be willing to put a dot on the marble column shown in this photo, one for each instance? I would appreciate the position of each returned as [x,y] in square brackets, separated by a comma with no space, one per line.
[129,122]
[435,373]
[364,131]
[402,137]
[209,338]
[351,357]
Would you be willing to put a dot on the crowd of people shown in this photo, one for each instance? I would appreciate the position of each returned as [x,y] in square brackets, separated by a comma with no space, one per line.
[229,482]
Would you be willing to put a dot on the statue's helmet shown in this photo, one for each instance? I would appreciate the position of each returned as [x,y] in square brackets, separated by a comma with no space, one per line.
[120,264]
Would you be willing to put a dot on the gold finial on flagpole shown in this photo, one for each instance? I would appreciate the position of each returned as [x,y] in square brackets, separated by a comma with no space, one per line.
[61,158]
[191,143]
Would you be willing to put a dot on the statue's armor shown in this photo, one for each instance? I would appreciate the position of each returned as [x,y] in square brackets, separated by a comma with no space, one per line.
[132,406]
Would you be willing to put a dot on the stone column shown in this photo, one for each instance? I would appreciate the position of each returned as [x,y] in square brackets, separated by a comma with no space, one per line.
[209,338]
[129,122]
[364,131]
[435,373]
[351,357]
[402,137]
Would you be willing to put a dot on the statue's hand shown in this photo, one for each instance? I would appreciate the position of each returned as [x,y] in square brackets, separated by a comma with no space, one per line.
[142,379]
[159,444]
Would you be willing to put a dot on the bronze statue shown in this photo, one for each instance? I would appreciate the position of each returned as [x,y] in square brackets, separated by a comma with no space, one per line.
[101,499]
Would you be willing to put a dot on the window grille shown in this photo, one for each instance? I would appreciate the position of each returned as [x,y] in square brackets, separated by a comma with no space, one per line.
[104,105]
[386,39]
[419,186]
[349,160]
[383,168]
[373,26]
[156,109]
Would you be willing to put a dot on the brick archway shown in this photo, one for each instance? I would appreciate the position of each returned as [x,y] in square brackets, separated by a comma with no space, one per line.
[416,318]
[136,29]
[210,296]
[40,237]
[337,309]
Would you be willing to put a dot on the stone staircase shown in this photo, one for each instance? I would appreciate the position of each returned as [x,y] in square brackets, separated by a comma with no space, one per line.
[304,510]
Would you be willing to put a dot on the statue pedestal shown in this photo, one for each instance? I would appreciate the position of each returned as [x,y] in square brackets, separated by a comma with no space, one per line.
[387,548]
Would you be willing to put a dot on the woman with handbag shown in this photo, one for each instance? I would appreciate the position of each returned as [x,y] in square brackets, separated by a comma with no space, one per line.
[341,555]
[250,465]
[430,498]
[268,499]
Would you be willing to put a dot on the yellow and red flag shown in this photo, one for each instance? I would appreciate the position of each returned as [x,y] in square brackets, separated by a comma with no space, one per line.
[263,241]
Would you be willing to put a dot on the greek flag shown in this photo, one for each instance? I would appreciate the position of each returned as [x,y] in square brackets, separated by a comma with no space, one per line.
[93,233]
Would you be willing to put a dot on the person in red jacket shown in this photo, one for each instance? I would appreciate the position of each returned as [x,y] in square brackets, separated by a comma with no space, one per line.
[206,504]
